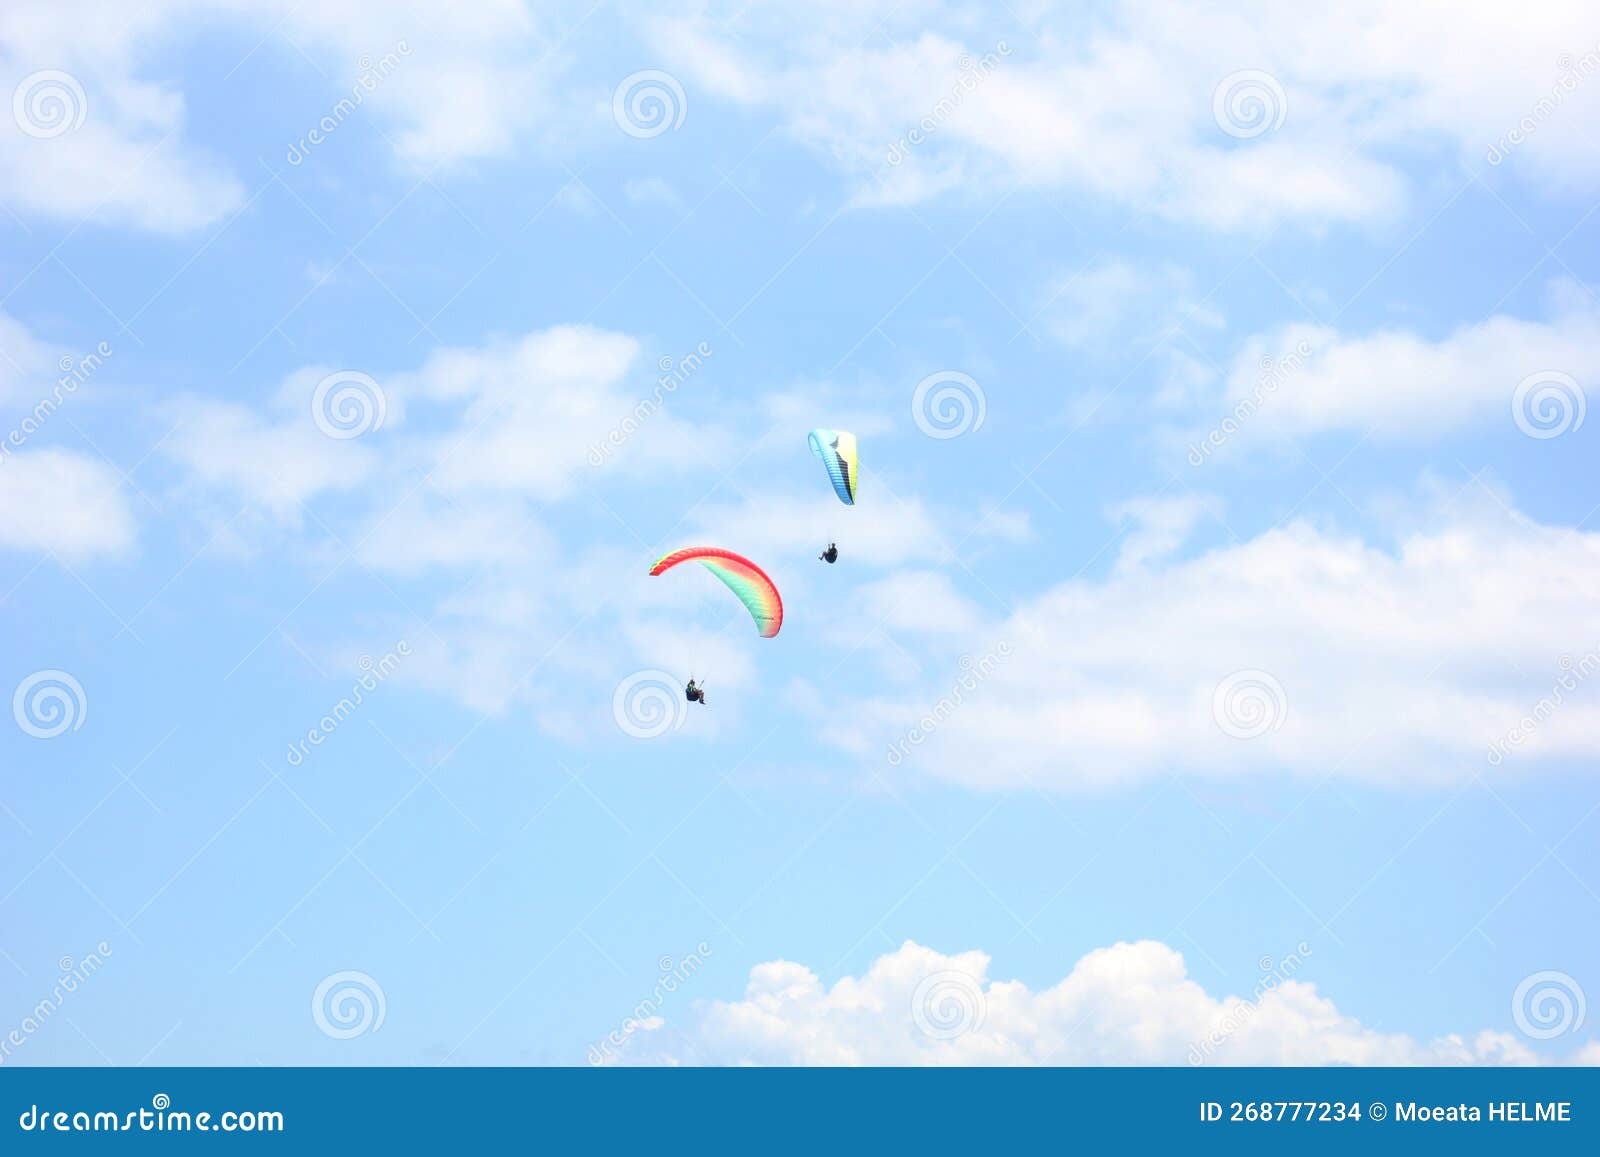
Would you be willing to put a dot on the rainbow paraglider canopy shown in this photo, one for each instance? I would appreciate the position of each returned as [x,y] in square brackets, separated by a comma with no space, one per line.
[741,576]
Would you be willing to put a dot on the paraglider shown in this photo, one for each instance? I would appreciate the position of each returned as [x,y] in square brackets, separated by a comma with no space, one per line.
[837,450]
[695,694]
[831,555]
[741,576]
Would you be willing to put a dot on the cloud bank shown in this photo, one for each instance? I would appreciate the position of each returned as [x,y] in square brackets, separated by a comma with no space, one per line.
[1129,1004]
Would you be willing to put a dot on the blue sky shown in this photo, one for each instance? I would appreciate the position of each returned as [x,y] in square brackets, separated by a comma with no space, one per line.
[1238,706]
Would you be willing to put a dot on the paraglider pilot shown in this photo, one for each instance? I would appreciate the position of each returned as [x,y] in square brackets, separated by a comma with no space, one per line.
[831,555]
[694,693]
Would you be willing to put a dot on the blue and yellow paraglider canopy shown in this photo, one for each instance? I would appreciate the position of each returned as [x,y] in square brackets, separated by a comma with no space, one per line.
[837,449]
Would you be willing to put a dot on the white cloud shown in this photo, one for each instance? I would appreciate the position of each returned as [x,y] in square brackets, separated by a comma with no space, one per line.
[94,137]
[576,197]
[652,190]
[552,410]
[465,87]
[425,530]
[275,464]
[1129,1004]
[822,403]
[1118,102]
[116,177]
[1103,306]
[556,638]
[475,446]
[1160,526]
[63,502]
[27,365]
[1185,382]
[528,418]
[918,602]
[1399,385]
[1392,666]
